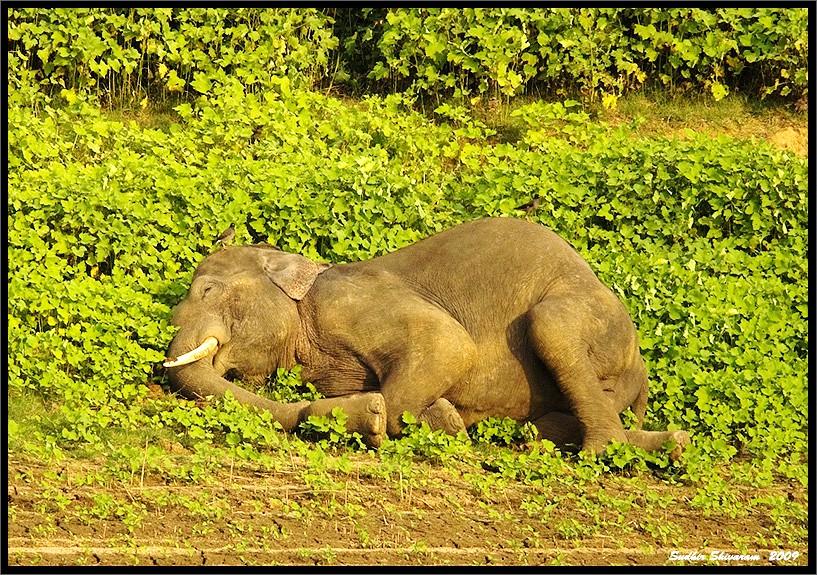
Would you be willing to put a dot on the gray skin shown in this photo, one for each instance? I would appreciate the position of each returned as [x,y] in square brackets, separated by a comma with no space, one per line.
[495,317]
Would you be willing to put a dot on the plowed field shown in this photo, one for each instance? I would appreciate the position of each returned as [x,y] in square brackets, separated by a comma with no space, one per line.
[72,515]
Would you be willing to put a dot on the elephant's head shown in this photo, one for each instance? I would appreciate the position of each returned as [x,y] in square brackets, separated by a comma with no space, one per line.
[239,317]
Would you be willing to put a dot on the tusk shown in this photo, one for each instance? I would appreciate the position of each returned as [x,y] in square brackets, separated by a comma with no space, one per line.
[207,347]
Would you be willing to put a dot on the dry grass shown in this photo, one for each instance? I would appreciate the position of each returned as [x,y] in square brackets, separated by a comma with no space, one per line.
[660,114]
[734,116]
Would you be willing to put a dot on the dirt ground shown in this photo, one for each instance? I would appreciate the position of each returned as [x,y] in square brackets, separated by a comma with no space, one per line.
[244,517]
[792,138]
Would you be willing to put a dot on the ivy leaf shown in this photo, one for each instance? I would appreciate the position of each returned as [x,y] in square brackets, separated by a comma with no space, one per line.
[201,83]
[719,91]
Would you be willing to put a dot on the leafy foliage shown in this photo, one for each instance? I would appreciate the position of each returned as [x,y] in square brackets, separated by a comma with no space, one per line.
[131,54]
[419,440]
[330,430]
[503,431]
[287,386]
[704,239]
[597,50]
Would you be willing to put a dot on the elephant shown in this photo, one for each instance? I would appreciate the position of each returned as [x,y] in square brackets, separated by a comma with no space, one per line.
[493,317]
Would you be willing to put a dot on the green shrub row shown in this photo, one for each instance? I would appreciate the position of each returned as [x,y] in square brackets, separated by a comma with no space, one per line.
[704,239]
[595,50]
[128,54]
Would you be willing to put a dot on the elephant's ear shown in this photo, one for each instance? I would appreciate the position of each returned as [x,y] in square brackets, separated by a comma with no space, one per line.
[292,273]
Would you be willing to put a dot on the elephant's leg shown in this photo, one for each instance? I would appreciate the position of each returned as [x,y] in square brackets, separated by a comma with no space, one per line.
[366,414]
[415,349]
[585,342]
[443,415]
[654,440]
[563,429]
[425,369]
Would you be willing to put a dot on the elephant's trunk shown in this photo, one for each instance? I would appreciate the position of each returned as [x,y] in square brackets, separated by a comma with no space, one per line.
[200,379]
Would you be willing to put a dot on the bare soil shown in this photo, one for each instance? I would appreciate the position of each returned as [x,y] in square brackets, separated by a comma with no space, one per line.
[61,516]
[792,138]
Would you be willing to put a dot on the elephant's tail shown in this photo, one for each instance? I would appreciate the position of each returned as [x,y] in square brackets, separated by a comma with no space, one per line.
[639,406]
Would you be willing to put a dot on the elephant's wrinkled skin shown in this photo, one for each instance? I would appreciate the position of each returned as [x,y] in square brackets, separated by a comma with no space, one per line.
[496,317]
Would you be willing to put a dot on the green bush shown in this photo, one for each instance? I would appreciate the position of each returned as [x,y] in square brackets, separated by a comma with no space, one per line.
[503,431]
[704,239]
[595,50]
[126,54]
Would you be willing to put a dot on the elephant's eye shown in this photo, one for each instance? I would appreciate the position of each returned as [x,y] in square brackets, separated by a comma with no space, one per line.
[210,289]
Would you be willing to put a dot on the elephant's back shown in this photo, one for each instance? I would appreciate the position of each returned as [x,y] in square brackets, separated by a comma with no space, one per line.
[515,241]
[487,266]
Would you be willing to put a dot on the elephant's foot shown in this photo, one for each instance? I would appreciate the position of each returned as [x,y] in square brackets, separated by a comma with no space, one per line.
[655,440]
[564,429]
[596,440]
[682,440]
[443,415]
[374,421]
[366,414]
